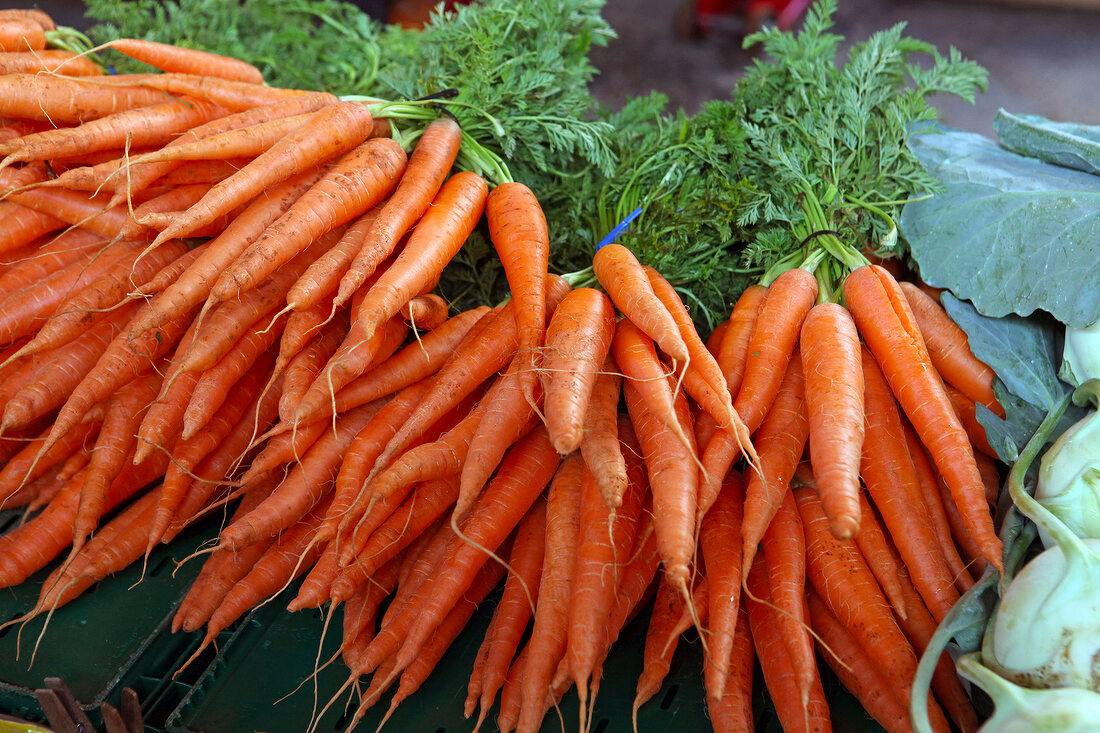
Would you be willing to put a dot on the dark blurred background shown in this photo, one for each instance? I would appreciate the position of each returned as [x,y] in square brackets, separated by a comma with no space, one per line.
[1043,56]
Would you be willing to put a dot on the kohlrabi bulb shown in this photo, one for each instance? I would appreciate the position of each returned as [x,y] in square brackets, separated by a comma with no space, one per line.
[1069,478]
[1046,632]
[1019,710]
[1081,355]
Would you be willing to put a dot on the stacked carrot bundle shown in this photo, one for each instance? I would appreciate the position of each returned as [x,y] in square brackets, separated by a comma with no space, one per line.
[239,308]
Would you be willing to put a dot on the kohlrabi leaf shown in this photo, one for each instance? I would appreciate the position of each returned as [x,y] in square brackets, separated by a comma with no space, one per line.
[1009,233]
[1024,353]
[1063,143]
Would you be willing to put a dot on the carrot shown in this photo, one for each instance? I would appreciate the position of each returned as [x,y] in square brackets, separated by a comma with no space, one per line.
[354,185]
[214,385]
[578,338]
[22,468]
[703,378]
[626,283]
[855,668]
[23,226]
[361,610]
[874,545]
[429,164]
[176,59]
[674,480]
[44,21]
[163,422]
[79,311]
[77,209]
[660,643]
[967,546]
[322,278]
[331,131]
[841,577]
[438,236]
[891,479]
[222,570]
[967,413]
[113,446]
[886,323]
[507,416]
[600,439]
[732,711]
[303,368]
[777,665]
[636,356]
[234,95]
[718,540]
[515,608]
[61,370]
[51,60]
[21,34]
[425,312]
[949,349]
[937,515]
[286,448]
[547,643]
[415,362]
[605,537]
[138,128]
[781,440]
[193,285]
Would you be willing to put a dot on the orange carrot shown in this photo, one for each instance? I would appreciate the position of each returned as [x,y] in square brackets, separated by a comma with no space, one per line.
[354,185]
[967,413]
[636,356]
[22,468]
[626,283]
[23,226]
[425,312]
[886,323]
[21,34]
[600,438]
[949,349]
[429,164]
[891,479]
[732,712]
[176,59]
[829,345]
[234,95]
[577,342]
[718,540]
[163,422]
[331,131]
[438,236]
[52,60]
[302,369]
[781,441]
[322,278]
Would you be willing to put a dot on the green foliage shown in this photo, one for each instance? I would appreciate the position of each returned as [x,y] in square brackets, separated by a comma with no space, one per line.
[304,44]
[827,144]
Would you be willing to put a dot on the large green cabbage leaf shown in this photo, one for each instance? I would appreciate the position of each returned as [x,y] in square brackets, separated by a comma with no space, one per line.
[1009,233]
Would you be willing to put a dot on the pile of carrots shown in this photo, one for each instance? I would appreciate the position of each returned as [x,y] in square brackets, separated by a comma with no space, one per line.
[217,295]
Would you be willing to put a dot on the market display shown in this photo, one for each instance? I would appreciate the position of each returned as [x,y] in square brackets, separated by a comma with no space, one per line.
[429,328]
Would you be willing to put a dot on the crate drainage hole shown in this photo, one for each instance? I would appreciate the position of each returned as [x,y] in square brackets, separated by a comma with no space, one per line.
[670,696]
[602,725]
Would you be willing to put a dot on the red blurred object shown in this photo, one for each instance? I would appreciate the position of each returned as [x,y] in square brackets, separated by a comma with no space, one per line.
[698,18]
[415,13]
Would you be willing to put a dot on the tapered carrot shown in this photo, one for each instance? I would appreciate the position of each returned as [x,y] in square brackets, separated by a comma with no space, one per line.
[222,570]
[829,345]
[937,515]
[514,610]
[113,446]
[52,60]
[302,369]
[548,643]
[193,286]
[781,441]
[76,208]
[180,60]
[892,481]
[429,164]
[162,424]
[967,545]
[23,226]
[843,580]
[144,127]
[703,378]
[777,665]
[578,338]
[507,415]
[875,547]
[732,711]
[321,279]
[234,95]
[855,669]
[69,100]
[600,439]
[354,185]
[438,236]
[967,413]
[51,381]
[886,323]
[361,610]
[626,283]
[674,481]
[660,642]
[22,468]
[949,349]
[721,548]
[332,131]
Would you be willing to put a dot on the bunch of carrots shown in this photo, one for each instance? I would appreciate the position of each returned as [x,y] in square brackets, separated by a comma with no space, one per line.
[216,294]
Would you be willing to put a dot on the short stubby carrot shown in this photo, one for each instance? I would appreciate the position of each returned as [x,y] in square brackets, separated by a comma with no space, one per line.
[889,329]
[829,344]
[578,339]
